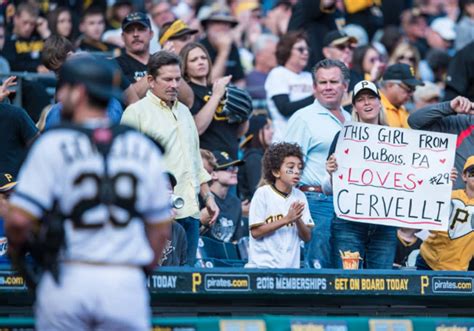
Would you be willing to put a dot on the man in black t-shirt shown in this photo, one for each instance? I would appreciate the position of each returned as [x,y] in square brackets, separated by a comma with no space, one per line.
[17,131]
[23,46]
[136,34]
[223,52]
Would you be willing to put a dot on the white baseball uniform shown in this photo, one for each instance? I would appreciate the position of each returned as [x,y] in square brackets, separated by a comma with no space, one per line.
[280,249]
[102,285]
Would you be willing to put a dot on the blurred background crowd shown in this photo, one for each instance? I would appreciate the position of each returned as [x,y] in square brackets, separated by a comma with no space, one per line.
[419,52]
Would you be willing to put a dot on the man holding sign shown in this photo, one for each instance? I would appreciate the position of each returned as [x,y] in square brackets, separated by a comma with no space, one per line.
[453,249]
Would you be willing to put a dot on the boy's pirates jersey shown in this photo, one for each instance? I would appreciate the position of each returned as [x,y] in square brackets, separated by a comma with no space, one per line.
[103,223]
[280,249]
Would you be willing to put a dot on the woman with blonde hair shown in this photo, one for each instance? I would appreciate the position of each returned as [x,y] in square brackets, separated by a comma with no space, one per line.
[215,131]
[408,54]
[375,243]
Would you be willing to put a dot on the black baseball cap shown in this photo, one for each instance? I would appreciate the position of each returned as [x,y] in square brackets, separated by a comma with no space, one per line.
[136,18]
[404,73]
[336,37]
[101,77]
[7,182]
[224,161]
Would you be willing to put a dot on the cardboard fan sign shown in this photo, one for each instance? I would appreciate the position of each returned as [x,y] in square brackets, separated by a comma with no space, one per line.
[393,176]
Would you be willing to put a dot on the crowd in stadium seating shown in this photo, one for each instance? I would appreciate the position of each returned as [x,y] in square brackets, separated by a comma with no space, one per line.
[302,62]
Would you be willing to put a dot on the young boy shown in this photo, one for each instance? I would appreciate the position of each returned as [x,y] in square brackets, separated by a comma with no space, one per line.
[228,223]
[279,214]
[92,27]
[454,249]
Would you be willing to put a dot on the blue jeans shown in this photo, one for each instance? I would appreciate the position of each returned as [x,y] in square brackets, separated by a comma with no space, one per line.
[191,226]
[376,244]
[318,249]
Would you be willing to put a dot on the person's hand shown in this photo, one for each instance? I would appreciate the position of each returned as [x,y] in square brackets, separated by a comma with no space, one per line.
[42,27]
[377,70]
[4,88]
[462,105]
[245,208]
[218,88]
[169,46]
[212,209]
[204,217]
[295,212]
[41,69]
[331,164]
[454,175]
[222,42]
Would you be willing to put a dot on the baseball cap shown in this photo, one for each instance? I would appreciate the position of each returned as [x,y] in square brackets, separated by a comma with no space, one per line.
[444,27]
[220,15]
[336,37]
[100,76]
[7,182]
[224,161]
[469,165]
[402,72]
[364,85]
[246,5]
[136,18]
[174,30]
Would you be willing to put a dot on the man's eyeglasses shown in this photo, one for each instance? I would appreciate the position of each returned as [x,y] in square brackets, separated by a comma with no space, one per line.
[406,88]
[470,174]
[302,49]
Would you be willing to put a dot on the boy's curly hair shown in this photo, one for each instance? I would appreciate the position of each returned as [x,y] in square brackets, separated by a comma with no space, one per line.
[274,157]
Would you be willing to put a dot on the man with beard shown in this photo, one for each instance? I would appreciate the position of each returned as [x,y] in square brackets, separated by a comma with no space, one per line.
[136,35]
[90,173]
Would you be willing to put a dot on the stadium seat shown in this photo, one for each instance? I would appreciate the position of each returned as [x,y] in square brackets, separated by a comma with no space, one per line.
[213,253]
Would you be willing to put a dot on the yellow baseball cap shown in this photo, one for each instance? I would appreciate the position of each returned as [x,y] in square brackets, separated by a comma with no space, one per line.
[469,165]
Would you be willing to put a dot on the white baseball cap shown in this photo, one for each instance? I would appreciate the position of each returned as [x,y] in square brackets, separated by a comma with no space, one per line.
[444,27]
[364,85]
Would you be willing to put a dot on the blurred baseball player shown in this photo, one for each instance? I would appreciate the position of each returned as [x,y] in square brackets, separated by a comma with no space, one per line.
[108,184]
